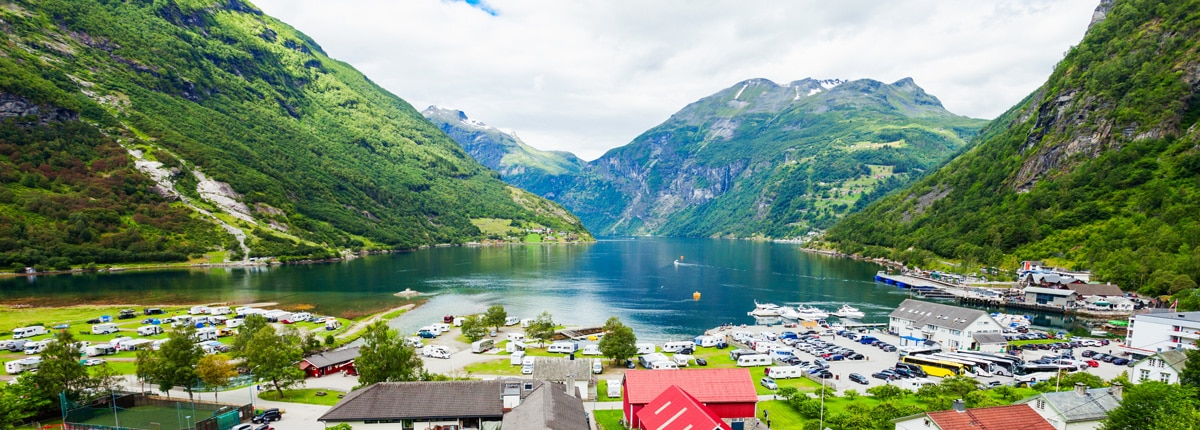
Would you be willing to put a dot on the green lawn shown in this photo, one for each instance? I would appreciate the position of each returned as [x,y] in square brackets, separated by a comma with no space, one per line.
[76,316]
[1035,341]
[609,419]
[493,367]
[602,392]
[720,358]
[304,395]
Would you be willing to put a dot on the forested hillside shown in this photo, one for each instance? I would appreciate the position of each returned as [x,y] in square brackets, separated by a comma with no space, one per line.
[1098,169]
[167,130]
[760,159]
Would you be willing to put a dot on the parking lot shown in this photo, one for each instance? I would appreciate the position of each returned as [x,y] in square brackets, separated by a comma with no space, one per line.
[874,359]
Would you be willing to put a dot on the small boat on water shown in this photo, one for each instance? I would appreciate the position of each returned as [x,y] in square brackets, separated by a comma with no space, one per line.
[847,311]
[765,310]
[810,313]
[789,313]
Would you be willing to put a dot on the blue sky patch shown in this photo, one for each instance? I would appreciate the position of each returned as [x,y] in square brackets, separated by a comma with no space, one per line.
[481,5]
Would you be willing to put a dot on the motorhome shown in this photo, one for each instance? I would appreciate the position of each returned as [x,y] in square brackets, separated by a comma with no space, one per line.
[36,347]
[101,349]
[678,346]
[207,333]
[31,331]
[765,346]
[784,372]
[13,345]
[235,323]
[301,316]
[682,360]
[648,360]
[514,346]
[458,321]
[277,315]
[208,349]
[525,323]
[149,330]
[743,336]
[645,348]
[22,365]
[562,347]
[592,349]
[512,321]
[597,366]
[414,342]
[435,351]
[220,310]
[332,323]
[117,342]
[482,346]
[754,360]
[136,344]
[443,327]
[197,310]
[516,358]
[217,319]
[706,341]
[527,365]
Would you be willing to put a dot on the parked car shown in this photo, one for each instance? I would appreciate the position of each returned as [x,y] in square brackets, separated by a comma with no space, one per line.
[267,416]
[859,379]
[91,362]
[1092,363]
[1121,361]
[769,383]
[1087,353]
[701,362]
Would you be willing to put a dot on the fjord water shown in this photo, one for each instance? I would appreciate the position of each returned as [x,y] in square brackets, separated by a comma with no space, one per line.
[633,278]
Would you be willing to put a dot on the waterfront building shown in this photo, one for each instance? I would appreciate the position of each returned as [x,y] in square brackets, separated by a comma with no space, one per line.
[1161,331]
[953,327]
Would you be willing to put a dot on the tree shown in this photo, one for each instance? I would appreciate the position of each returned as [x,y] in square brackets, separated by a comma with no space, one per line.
[495,316]
[385,358]
[60,371]
[619,342]
[215,371]
[541,328]
[958,386]
[1153,405]
[1067,381]
[246,332]
[887,392]
[473,328]
[174,364]
[272,357]
[1190,375]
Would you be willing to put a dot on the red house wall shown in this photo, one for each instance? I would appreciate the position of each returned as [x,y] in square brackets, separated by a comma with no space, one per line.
[723,410]
[315,372]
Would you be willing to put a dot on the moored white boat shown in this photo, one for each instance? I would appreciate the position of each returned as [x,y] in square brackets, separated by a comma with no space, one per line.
[847,311]
[765,310]
[809,313]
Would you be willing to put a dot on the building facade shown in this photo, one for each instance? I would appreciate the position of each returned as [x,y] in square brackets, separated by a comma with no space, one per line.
[953,327]
[1162,367]
[1078,409]
[1154,332]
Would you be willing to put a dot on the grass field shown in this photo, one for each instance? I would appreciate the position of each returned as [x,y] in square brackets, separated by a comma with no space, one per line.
[304,395]
[720,358]
[493,367]
[163,417]
[609,419]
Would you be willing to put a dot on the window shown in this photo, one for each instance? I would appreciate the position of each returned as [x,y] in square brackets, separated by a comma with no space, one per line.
[1144,376]
[1165,377]
[1041,404]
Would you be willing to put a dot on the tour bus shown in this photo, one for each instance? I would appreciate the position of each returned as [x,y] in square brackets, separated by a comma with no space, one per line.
[31,331]
[980,363]
[970,366]
[678,346]
[754,360]
[934,367]
[999,361]
[784,372]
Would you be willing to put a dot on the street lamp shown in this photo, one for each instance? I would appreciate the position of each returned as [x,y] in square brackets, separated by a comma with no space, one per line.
[189,421]
[822,400]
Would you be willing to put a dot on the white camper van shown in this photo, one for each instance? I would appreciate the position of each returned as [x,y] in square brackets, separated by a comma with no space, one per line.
[562,347]
[597,366]
[31,331]
[36,347]
[754,360]
[678,346]
[435,351]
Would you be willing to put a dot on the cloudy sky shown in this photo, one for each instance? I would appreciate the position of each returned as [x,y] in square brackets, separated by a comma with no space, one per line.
[590,75]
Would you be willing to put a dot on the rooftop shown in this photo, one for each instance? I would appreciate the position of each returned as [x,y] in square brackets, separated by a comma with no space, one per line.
[937,314]
[1098,290]
[706,385]
[550,408]
[677,409]
[1013,417]
[1171,316]
[1093,405]
[1050,291]
[413,400]
[332,357]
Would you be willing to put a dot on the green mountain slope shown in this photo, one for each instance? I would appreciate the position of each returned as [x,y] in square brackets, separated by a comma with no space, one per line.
[190,124]
[1099,169]
[519,164]
[761,159]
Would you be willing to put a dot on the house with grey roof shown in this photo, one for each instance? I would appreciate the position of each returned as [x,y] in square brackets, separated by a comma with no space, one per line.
[1163,366]
[326,363]
[1078,409]
[549,408]
[953,327]
[427,405]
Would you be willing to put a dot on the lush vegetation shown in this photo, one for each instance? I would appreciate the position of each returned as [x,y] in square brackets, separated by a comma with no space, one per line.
[321,158]
[1099,169]
[761,159]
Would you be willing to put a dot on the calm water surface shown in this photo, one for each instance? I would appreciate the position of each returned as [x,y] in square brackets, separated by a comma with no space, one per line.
[635,279]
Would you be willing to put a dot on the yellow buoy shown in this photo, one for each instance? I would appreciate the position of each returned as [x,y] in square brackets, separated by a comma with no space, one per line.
[696,295]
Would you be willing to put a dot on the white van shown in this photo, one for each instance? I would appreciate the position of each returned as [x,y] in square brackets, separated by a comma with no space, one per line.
[784,372]
[562,347]
[104,328]
[220,310]
[527,365]
[149,330]
[516,358]
[597,366]
[678,346]
[30,331]
[754,360]
[435,351]
[706,341]
[645,348]
[36,347]
[482,346]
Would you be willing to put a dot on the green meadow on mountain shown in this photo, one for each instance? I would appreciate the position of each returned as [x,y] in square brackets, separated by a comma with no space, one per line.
[1098,169]
[164,131]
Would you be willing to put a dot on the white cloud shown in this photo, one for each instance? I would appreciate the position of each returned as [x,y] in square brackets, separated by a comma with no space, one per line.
[587,76]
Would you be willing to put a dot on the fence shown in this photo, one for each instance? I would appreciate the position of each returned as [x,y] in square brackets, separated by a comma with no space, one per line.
[143,411]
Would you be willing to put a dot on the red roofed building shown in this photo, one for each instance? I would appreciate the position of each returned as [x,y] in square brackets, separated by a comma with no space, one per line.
[727,393]
[676,409]
[1014,417]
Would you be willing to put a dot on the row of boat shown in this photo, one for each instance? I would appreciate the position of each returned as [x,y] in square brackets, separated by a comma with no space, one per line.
[802,312]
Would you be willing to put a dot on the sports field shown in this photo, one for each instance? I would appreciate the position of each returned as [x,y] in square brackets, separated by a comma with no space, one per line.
[145,417]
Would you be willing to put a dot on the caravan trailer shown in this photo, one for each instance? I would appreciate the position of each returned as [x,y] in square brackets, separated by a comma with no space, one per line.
[482,346]
[754,360]
[706,341]
[220,310]
[562,347]
[516,358]
[784,372]
[645,348]
[678,346]
[149,330]
[22,365]
[101,349]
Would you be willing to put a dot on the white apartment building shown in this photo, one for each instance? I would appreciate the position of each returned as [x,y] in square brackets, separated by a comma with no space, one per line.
[953,327]
[1162,331]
